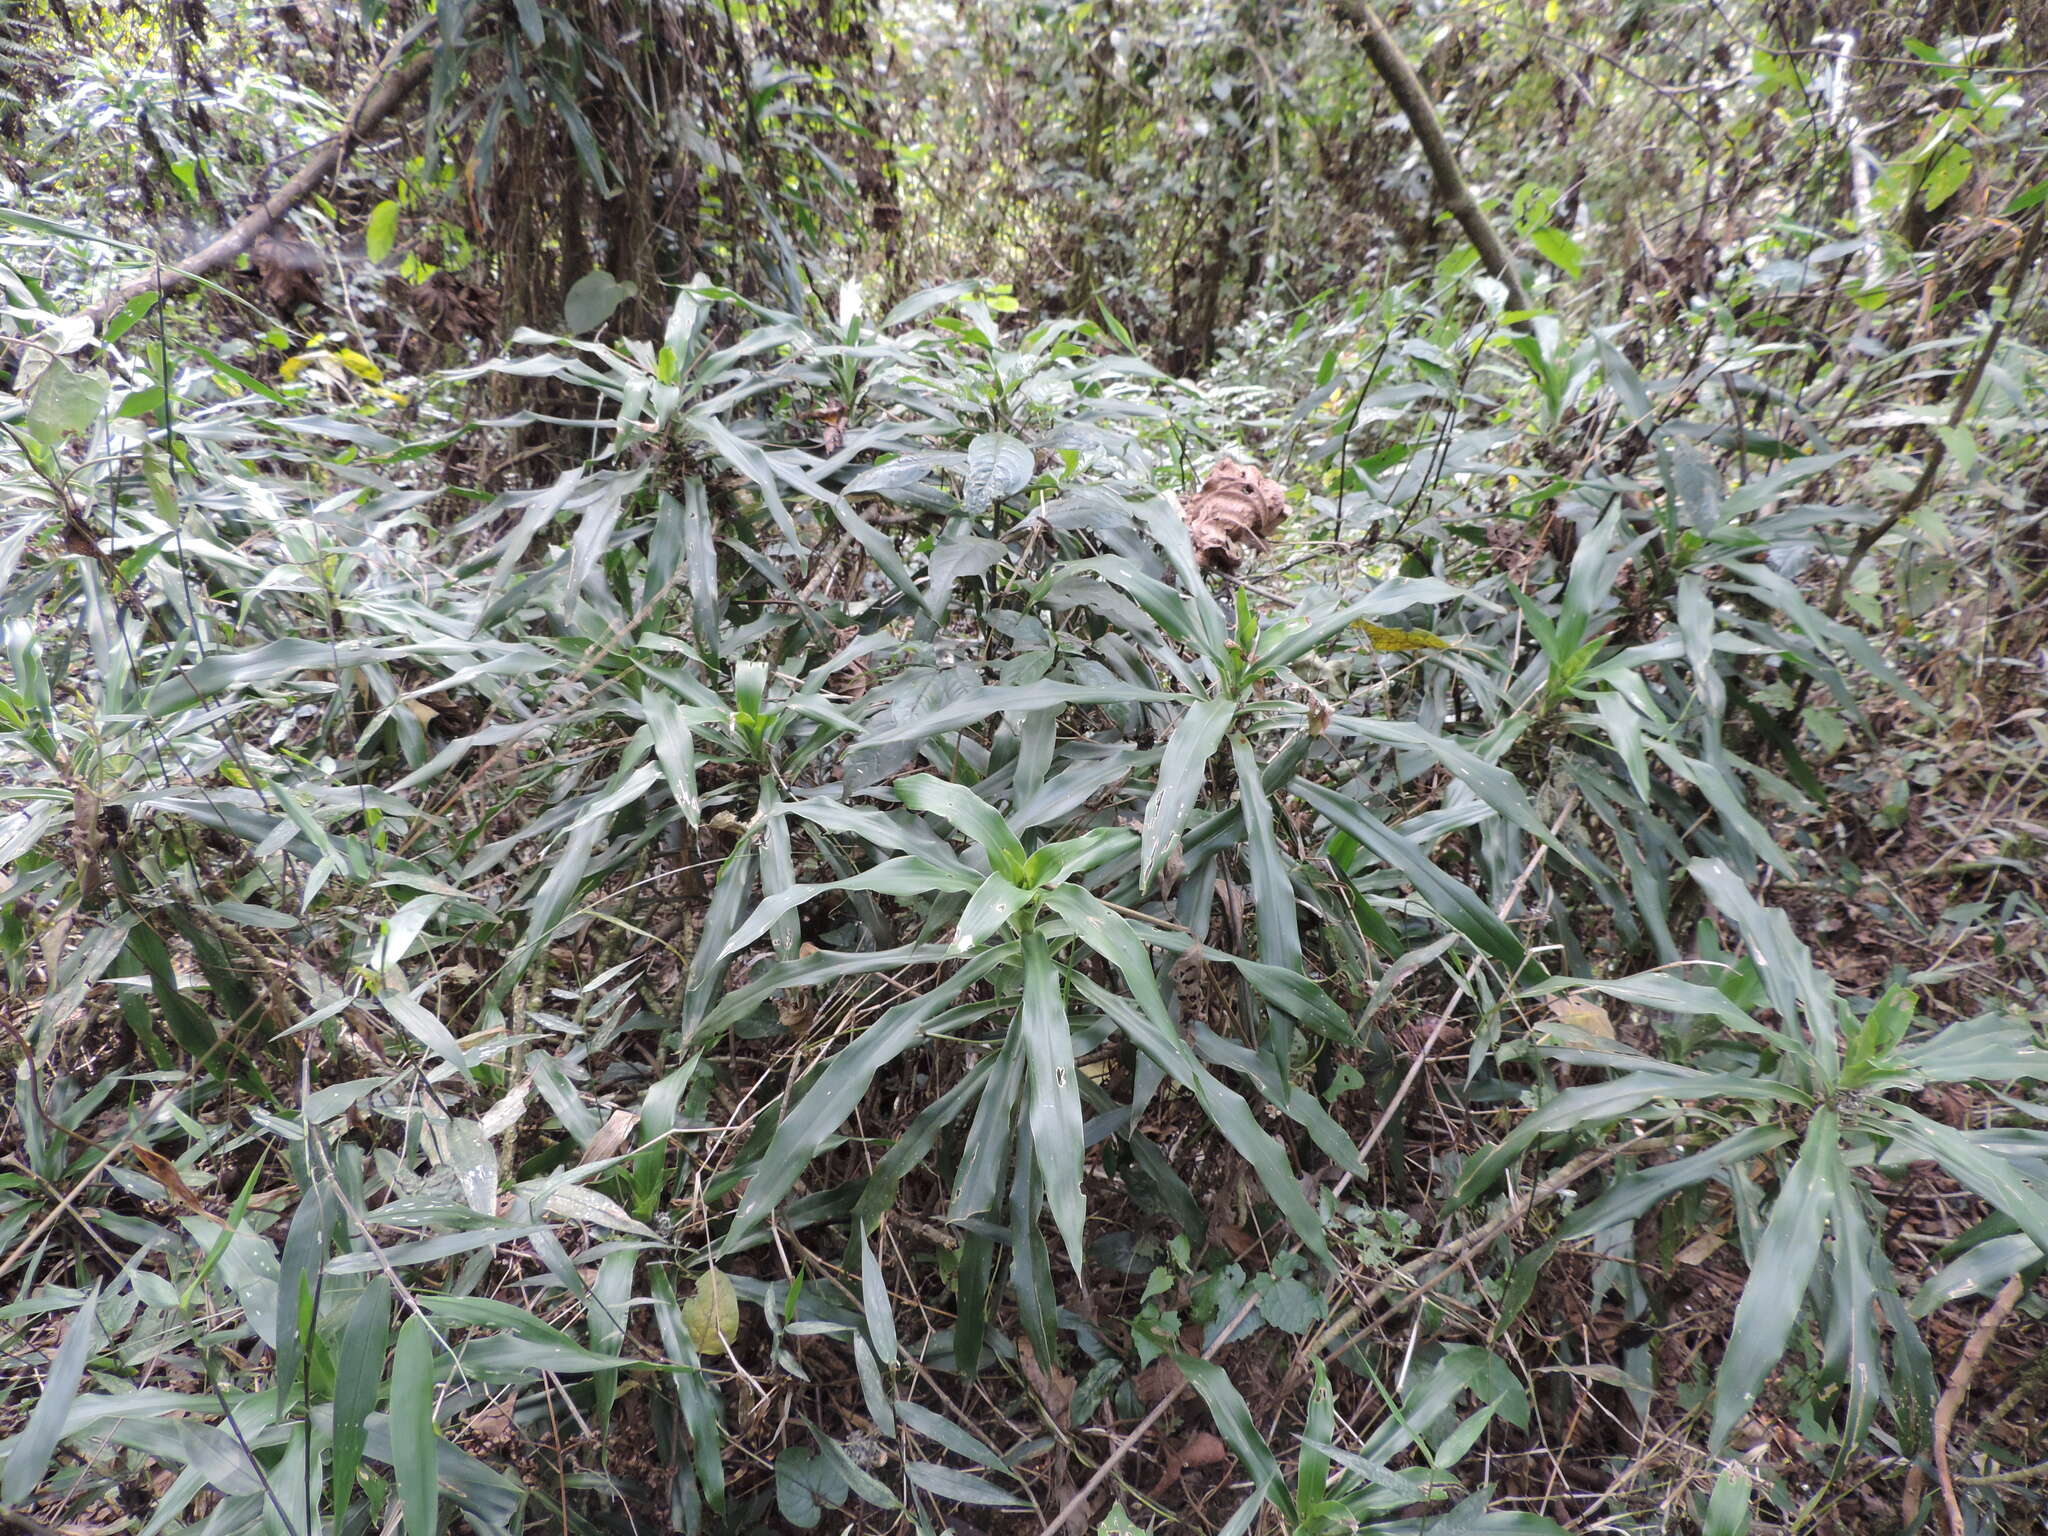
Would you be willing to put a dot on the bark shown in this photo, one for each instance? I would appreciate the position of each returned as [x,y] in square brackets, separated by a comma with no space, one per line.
[384,94]
[1393,67]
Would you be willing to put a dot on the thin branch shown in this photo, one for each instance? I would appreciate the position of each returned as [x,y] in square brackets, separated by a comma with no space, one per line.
[385,93]
[1952,1402]
[1401,79]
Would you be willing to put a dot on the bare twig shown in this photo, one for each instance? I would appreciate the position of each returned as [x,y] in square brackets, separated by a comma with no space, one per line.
[1951,1404]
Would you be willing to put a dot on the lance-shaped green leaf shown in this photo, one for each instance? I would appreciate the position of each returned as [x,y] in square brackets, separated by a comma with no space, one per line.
[1272,887]
[359,1371]
[1978,1272]
[1182,767]
[825,1105]
[29,1456]
[1993,1046]
[1776,1292]
[805,971]
[978,704]
[1860,1272]
[1239,1430]
[970,813]
[908,875]
[994,903]
[1056,863]
[1634,1193]
[1492,783]
[1985,1174]
[1607,1101]
[1055,1107]
[414,1444]
[1226,1110]
[1168,607]
[1456,904]
[1797,987]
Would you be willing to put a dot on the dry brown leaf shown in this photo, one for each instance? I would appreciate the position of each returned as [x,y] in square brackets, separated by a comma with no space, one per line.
[165,1172]
[1202,1449]
[1157,1380]
[612,1136]
[1053,1388]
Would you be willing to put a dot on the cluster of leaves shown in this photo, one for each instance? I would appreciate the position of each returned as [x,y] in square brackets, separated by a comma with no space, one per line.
[1014,822]
[681,988]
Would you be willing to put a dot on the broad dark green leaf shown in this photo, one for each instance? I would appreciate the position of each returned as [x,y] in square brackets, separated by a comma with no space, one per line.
[998,466]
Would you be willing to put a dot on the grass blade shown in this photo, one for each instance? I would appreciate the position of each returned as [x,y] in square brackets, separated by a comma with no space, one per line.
[37,1443]
[365,1341]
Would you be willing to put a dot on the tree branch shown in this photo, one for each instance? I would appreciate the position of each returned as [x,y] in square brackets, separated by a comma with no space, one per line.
[386,91]
[1401,79]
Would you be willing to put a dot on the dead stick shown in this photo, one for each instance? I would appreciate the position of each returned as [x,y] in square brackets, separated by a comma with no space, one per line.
[387,90]
[1952,1402]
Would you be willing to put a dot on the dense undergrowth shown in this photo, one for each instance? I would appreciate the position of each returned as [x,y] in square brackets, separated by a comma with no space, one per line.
[805,965]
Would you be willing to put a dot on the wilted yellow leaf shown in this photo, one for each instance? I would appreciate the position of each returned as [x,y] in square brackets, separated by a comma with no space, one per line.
[344,357]
[713,1314]
[359,365]
[1384,639]
[1580,1012]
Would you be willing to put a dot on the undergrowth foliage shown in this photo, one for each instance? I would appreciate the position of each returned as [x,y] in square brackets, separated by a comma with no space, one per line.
[808,964]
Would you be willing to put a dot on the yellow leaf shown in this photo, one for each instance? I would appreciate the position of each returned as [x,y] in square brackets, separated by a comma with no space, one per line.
[292,367]
[1384,639]
[713,1314]
[1579,1012]
[360,366]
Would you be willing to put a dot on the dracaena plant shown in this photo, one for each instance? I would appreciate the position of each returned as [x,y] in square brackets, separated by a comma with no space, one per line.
[1023,926]
[1784,1111]
[1345,1484]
